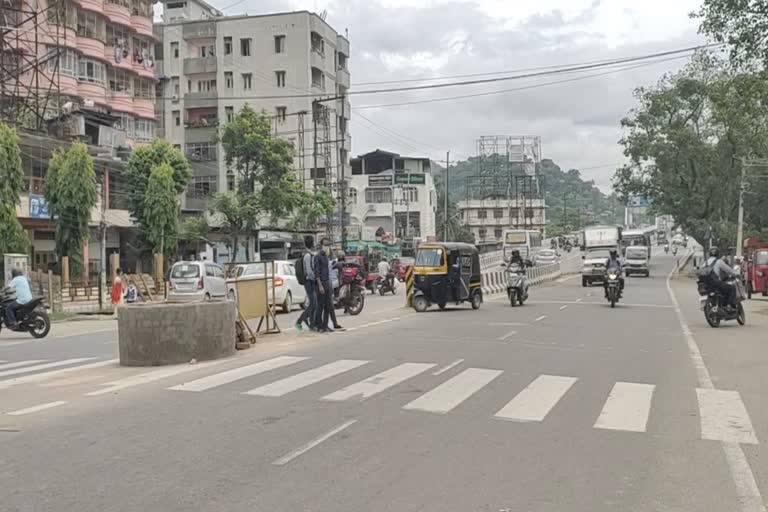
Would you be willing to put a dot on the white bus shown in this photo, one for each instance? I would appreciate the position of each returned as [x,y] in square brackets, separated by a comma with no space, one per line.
[528,242]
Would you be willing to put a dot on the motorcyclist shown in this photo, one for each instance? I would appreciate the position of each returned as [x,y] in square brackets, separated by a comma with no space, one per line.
[517,260]
[20,286]
[385,272]
[666,247]
[614,263]
[723,273]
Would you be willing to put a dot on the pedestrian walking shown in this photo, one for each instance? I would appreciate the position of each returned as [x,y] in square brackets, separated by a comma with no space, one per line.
[333,272]
[324,289]
[305,273]
[132,293]
[116,294]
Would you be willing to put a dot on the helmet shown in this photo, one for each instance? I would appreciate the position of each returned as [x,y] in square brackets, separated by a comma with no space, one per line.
[15,272]
[714,251]
[614,253]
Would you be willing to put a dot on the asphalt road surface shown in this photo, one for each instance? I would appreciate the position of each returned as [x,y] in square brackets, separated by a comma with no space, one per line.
[563,404]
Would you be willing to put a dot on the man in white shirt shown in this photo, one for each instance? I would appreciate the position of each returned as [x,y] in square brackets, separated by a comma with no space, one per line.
[385,272]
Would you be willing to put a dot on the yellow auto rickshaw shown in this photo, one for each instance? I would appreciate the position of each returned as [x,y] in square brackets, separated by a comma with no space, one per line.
[446,272]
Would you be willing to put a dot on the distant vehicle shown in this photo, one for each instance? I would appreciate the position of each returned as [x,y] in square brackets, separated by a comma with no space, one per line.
[528,242]
[288,291]
[400,266]
[545,257]
[756,266]
[196,280]
[636,237]
[598,242]
[636,261]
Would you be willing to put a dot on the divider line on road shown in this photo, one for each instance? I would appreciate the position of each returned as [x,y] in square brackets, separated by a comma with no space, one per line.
[44,366]
[750,499]
[298,452]
[446,368]
[40,377]
[505,336]
[28,362]
[37,408]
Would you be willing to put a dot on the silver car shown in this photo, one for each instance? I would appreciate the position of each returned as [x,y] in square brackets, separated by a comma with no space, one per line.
[196,280]
[545,257]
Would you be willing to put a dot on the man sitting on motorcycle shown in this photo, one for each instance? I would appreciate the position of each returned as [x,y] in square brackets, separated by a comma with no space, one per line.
[385,272]
[614,263]
[722,273]
[20,286]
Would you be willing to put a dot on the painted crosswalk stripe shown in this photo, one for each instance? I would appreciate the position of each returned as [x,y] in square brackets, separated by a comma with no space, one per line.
[17,364]
[45,366]
[41,377]
[147,377]
[452,392]
[295,382]
[627,407]
[37,408]
[724,417]
[229,376]
[535,401]
[379,382]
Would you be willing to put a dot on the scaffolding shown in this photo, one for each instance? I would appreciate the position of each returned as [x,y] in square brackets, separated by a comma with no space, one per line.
[31,41]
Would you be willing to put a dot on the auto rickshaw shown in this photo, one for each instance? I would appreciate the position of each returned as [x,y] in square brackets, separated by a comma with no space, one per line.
[446,272]
[756,267]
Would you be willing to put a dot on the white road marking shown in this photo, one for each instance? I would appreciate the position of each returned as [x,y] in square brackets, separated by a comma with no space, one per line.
[446,368]
[724,417]
[284,386]
[579,300]
[505,336]
[750,499]
[379,382]
[627,407]
[542,317]
[510,324]
[45,366]
[8,366]
[36,408]
[285,459]
[40,377]
[452,392]
[144,378]
[563,307]
[535,401]
[226,377]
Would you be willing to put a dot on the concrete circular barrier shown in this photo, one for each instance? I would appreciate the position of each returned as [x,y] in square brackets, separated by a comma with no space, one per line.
[160,334]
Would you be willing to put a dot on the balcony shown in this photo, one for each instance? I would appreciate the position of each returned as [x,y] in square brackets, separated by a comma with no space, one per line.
[199,30]
[118,14]
[347,145]
[142,24]
[196,65]
[342,77]
[200,133]
[342,45]
[346,108]
[201,99]
[316,59]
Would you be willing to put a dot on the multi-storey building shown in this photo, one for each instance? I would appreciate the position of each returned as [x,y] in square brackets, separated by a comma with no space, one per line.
[488,218]
[212,65]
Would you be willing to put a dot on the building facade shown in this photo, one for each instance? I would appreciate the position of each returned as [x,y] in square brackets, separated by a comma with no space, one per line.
[212,65]
[391,196]
[488,218]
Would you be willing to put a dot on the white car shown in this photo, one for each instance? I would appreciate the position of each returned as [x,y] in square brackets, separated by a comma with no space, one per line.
[545,257]
[288,291]
[196,280]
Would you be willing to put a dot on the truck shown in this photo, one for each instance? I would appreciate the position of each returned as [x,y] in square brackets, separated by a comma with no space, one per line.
[599,241]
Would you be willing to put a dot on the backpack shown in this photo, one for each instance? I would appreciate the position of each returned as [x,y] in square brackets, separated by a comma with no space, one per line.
[707,275]
[301,273]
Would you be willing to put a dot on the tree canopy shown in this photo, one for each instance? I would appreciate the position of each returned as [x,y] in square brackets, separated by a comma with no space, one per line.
[161,210]
[742,24]
[12,236]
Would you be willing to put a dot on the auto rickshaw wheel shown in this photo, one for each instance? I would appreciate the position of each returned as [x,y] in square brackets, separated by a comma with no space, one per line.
[420,303]
[477,299]
[441,305]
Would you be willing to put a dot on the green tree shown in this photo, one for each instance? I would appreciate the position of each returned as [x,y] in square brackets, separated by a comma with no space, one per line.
[235,216]
[161,210]
[313,207]
[12,235]
[139,168]
[457,231]
[742,24]
[70,190]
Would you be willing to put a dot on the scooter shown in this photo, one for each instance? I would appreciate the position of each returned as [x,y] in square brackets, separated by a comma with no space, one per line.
[386,284]
[666,248]
[30,317]
[517,284]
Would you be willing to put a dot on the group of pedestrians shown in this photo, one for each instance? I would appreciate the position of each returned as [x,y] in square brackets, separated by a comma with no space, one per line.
[319,271]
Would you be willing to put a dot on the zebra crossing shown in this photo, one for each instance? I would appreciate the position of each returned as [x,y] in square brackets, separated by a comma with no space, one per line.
[626,407]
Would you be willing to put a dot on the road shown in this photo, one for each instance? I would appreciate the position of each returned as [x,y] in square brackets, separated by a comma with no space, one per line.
[562,404]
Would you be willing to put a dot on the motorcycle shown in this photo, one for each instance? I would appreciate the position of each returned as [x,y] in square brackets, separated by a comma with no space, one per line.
[613,287]
[666,248]
[674,251]
[30,317]
[517,285]
[715,307]
[351,295]
[386,284]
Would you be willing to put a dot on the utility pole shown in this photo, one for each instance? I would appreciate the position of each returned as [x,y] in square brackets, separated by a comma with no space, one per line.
[315,108]
[445,206]
[103,237]
[740,228]
[343,189]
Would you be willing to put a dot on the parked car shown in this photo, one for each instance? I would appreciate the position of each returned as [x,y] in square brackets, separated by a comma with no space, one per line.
[288,291]
[196,280]
[400,265]
[545,257]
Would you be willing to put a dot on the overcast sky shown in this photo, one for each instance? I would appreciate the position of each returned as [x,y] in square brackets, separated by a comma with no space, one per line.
[578,121]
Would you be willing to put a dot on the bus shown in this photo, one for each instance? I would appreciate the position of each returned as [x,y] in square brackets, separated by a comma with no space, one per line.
[528,242]
[641,237]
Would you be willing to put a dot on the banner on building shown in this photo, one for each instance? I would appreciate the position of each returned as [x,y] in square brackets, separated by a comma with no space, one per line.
[378,180]
[38,207]
[403,178]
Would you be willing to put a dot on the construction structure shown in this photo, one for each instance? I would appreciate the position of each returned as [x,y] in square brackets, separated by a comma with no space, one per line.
[504,191]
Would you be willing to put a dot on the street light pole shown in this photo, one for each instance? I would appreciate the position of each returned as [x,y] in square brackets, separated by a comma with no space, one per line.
[740,228]
[445,206]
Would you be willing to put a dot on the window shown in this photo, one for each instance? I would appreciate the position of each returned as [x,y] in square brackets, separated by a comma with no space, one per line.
[482,214]
[126,123]
[318,43]
[202,186]
[67,61]
[245,47]
[119,80]
[280,75]
[279,44]
[206,85]
[177,5]
[227,46]
[117,36]
[498,213]
[175,49]
[482,232]
[89,24]
[497,233]
[229,81]
[247,81]
[144,129]
[89,70]
[352,196]
[175,85]
[207,51]
[142,88]
[378,195]
[201,151]
[189,85]
[282,113]
[529,213]
[318,78]
[410,194]
[177,117]
[230,181]
[229,112]
[514,212]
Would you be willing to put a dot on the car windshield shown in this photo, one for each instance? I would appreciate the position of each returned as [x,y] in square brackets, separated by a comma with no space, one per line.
[185,270]
[598,253]
[432,257]
[514,238]
[547,253]
[636,253]
[761,258]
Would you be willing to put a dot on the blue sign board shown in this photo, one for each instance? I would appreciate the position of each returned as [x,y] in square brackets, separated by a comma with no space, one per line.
[38,207]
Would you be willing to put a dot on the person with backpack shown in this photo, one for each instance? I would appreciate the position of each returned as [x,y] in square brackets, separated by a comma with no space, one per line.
[306,276]
[721,274]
